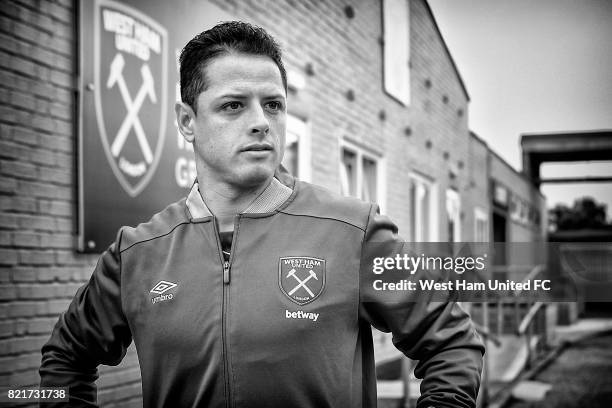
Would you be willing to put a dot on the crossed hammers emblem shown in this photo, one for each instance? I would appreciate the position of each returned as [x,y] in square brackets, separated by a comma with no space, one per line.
[302,283]
[147,89]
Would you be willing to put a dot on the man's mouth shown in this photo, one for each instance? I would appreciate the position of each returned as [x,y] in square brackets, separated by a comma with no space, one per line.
[257,147]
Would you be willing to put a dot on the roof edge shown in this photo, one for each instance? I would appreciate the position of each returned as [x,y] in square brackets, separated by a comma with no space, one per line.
[598,133]
[478,138]
[517,172]
[448,53]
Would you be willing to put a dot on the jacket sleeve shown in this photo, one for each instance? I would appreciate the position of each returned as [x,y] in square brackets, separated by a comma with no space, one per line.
[92,331]
[437,332]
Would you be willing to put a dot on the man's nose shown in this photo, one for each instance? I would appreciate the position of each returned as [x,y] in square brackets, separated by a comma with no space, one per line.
[259,121]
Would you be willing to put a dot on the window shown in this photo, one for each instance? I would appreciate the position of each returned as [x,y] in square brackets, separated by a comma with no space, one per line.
[348,173]
[500,195]
[422,209]
[396,33]
[297,149]
[481,225]
[370,175]
[360,173]
[453,215]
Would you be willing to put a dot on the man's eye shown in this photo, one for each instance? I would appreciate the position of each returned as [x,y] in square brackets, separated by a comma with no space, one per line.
[274,106]
[231,106]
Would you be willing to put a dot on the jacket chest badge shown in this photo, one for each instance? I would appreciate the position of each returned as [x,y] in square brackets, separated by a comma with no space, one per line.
[160,290]
[301,278]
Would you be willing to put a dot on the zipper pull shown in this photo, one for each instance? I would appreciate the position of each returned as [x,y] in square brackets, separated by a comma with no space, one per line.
[226,272]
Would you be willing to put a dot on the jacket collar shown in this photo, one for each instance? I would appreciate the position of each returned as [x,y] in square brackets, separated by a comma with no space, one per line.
[269,200]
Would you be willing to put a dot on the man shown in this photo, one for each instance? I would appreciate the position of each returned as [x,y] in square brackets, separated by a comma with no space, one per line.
[247,292]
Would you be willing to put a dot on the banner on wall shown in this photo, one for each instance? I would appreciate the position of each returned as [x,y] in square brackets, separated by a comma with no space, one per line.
[132,160]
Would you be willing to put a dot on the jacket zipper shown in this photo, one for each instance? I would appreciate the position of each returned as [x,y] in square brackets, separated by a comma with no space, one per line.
[226,275]
[225,305]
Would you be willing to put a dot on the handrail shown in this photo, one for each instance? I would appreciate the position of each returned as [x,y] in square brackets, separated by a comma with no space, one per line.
[528,328]
[535,271]
[487,334]
[522,328]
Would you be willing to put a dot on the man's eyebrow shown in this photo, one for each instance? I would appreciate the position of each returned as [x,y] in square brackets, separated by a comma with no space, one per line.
[232,95]
[239,95]
[275,96]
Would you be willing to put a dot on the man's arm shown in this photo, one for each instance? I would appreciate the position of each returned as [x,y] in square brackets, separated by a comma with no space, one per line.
[438,334]
[92,331]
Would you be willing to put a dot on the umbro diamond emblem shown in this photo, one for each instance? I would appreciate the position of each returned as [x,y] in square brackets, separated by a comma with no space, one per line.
[163,286]
[159,289]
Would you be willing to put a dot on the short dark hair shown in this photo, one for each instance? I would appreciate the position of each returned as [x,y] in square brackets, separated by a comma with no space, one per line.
[223,38]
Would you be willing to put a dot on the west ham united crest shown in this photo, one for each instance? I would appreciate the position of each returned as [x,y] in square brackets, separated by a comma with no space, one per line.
[130,91]
[301,278]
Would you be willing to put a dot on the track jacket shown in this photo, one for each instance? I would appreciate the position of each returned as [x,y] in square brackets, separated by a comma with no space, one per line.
[281,325]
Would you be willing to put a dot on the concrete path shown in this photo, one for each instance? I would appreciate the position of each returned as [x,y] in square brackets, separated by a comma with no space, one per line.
[582,328]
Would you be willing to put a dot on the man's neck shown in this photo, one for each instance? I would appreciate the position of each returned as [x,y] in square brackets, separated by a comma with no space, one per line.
[225,201]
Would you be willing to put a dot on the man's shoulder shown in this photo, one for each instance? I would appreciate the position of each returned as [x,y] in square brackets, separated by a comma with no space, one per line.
[160,224]
[318,202]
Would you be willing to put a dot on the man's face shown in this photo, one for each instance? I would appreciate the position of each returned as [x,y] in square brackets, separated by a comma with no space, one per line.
[239,127]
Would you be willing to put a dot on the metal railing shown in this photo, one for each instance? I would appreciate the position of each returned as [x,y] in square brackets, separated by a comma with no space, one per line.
[527,320]
[513,314]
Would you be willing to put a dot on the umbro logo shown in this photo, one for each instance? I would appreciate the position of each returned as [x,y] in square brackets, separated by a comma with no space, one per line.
[163,286]
[159,289]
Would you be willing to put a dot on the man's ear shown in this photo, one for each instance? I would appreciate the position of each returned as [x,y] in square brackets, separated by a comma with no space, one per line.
[185,118]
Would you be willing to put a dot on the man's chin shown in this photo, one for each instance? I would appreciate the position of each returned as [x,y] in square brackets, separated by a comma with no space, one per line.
[256,176]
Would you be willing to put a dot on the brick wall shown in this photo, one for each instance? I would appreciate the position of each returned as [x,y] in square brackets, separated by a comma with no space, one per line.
[440,115]
[39,268]
[477,191]
[39,275]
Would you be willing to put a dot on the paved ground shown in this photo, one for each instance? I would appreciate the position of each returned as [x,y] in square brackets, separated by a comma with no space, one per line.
[580,377]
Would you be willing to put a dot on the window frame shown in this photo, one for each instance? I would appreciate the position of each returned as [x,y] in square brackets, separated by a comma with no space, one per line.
[453,195]
[416,234]
[301,128]
[396,74]
[481,215]
[362,153]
